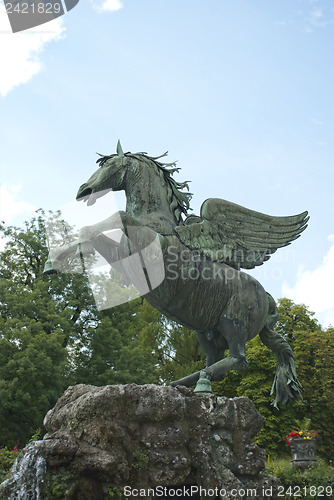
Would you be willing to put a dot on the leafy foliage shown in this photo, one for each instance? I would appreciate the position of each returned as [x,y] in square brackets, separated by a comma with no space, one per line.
[315,483]
[52,336]
[182,353]
[117,350]
[33,333]
[7,458]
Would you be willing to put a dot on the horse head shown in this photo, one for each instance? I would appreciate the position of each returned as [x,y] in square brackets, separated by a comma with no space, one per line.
[109,176]
[137,174]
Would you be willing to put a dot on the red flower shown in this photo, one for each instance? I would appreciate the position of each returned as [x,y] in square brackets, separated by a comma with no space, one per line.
[291,435]
[301,434]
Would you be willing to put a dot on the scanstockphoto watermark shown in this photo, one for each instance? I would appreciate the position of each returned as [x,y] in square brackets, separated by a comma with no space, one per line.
[222,265]
[26,14]
[206,271]
[237,493]
[194,490]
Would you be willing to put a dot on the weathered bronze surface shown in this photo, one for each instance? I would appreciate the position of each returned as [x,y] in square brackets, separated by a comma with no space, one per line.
[203,287]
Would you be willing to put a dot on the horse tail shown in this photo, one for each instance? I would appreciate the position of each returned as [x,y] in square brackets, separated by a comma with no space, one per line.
[286,386]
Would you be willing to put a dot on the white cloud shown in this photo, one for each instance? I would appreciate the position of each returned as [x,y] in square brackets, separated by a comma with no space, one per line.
[20,53]
[108,5]
[316,14]
[318,18]
[315,288]
[10,205]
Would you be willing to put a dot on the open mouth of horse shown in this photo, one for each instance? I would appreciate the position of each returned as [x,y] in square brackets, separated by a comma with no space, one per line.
[88,196]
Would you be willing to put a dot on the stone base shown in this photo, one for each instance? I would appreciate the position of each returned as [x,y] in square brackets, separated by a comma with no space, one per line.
[304,465]
[131,441]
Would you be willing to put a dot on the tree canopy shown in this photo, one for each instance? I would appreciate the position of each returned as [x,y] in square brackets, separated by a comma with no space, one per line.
[52,335]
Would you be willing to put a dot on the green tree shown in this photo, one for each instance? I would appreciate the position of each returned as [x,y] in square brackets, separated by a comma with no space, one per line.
[182,353]
[39,317]
[313,350]
[121,348]
[294,318]
[31,376]
[314,353]
[52,335]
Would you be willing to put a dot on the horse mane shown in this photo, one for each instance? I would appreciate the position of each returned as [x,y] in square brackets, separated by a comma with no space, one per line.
[179,200]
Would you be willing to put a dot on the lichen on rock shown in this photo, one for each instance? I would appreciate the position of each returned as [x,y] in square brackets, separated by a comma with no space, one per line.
[101,439]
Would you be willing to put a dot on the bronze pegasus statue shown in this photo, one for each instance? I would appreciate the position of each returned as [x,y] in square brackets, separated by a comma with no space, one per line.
[200,283]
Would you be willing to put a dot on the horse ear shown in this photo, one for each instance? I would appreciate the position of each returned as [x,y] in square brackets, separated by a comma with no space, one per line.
[119,149]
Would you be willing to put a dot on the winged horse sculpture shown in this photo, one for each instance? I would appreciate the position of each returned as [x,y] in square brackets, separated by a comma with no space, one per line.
[203,286]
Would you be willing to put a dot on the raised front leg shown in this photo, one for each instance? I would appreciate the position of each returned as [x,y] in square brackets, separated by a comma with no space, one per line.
[88,234]
[92,237]
[84,245]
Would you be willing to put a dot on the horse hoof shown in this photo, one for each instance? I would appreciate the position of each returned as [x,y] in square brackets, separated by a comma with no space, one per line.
[49,269]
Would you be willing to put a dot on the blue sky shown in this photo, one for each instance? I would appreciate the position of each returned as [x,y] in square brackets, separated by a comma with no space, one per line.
[240,92]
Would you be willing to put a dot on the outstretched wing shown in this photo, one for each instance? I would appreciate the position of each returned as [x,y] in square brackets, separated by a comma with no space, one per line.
[238,236]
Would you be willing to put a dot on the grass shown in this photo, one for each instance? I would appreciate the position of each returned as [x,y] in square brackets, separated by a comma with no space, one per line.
[316,483]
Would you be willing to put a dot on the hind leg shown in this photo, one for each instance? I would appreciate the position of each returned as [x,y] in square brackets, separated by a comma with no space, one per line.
[234,336]
[213,347]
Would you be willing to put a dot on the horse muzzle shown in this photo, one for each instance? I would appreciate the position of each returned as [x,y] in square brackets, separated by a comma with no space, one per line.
[84,193]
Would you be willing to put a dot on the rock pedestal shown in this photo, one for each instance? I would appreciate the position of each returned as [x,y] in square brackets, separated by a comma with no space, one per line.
[149,441]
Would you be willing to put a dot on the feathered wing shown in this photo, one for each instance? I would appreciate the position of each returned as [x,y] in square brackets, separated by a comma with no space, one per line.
[238,236]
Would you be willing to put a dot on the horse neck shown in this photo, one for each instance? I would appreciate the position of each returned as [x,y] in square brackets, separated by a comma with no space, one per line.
[147,200]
